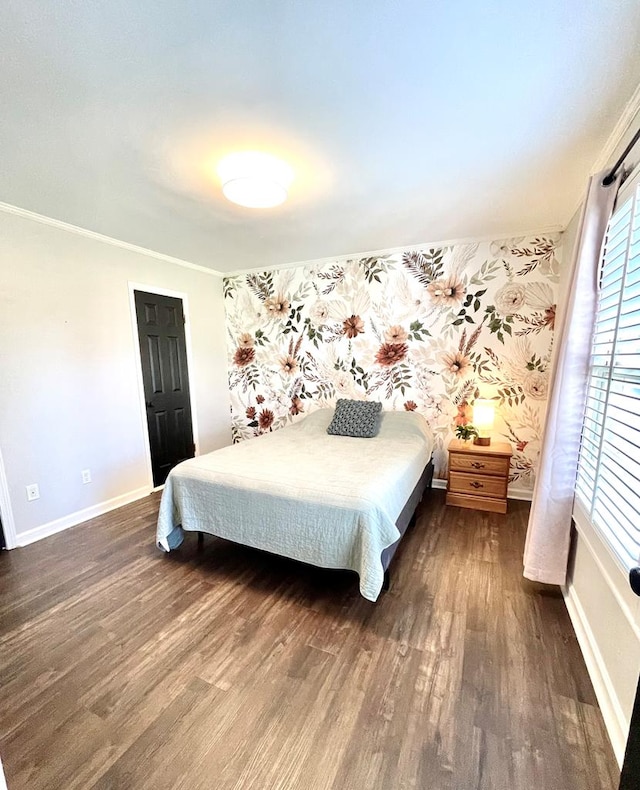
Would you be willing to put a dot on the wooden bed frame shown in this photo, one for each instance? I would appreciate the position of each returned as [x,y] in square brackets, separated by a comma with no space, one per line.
[403,522]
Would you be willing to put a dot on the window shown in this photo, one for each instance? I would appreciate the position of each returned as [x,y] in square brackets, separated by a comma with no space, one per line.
[608,485]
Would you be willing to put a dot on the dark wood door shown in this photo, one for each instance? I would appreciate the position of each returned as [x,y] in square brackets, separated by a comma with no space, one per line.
[166,381]
[630,776]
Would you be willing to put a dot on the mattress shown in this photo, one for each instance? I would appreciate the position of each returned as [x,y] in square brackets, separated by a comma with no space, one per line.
[331,501]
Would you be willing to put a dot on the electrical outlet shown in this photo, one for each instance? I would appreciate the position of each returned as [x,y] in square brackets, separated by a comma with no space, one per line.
[86,475]
[33,492]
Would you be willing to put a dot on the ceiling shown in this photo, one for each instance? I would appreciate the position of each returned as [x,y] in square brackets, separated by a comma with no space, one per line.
[406,121]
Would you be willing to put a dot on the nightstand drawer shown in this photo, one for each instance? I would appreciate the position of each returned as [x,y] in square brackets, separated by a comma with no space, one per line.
[478,485]
[479,464]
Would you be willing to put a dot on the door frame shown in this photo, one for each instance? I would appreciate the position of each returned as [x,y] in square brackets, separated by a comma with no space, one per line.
[6,511]
[154,289]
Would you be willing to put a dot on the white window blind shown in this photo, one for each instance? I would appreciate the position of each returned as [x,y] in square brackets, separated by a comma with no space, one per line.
[608,484]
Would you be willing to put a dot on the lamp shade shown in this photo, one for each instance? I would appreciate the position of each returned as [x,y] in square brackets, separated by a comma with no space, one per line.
[255,179]
[483,416]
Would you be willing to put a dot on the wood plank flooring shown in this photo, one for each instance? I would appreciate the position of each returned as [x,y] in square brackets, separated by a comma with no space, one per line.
[227,668]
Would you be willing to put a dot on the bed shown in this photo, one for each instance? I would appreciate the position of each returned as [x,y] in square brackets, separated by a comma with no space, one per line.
[331,501]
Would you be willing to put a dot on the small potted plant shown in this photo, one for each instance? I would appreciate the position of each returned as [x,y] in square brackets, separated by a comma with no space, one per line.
[466,432]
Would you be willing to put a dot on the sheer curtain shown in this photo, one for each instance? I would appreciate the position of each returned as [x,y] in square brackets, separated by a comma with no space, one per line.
[547,546]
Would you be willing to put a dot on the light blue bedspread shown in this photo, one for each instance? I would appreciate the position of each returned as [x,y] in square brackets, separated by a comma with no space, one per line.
[331,501]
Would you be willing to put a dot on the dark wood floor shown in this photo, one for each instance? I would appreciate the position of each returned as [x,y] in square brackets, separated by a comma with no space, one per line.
[124,668]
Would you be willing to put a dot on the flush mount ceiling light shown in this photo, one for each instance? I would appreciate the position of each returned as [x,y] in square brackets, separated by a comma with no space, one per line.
[254,179]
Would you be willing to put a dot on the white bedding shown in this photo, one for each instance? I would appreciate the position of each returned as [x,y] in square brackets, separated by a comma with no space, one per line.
[331,501]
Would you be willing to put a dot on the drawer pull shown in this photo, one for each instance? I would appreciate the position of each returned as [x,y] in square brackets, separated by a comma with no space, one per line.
[476,484]
[477,464]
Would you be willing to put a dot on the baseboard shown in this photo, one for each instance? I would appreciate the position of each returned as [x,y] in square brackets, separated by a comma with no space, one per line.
[614,719]
[73,519]
[513,493]
[525,494]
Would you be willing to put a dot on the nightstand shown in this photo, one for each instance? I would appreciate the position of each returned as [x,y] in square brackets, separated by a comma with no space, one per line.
[478,476]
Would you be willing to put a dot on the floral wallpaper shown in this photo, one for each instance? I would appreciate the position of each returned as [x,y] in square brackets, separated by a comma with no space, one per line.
[426,330]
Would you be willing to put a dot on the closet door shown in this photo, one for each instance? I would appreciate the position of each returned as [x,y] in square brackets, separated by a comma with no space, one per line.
[166,381]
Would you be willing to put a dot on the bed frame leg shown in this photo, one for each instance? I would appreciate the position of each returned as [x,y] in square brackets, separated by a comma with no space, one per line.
[200,540]
[386,581]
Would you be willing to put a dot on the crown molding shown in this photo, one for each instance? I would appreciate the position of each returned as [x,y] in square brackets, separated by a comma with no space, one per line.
[395,250]
[631,109]
[613,143]
[7,208]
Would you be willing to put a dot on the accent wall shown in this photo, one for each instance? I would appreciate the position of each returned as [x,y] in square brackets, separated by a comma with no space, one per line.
[425,329]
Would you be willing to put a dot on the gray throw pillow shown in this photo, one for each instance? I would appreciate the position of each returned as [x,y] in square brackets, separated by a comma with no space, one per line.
[356,418]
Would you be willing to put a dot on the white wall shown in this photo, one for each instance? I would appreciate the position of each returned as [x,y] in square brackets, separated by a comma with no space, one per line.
[604,612]
[606,617]
[69,395]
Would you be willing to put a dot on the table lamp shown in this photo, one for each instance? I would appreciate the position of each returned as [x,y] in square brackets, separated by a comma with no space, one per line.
[483,417]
